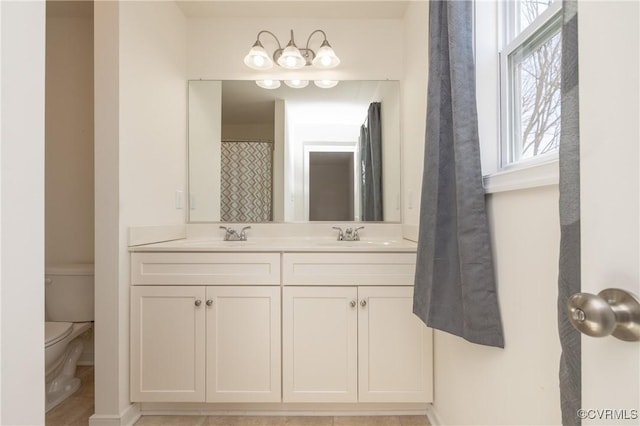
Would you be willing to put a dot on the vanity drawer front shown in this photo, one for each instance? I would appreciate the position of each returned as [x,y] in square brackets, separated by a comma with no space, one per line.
[348,268]
[205,269]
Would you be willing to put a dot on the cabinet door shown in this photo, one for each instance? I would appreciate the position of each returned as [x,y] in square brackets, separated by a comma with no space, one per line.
[394,347]
[319,344]
[167,344]
[243,344]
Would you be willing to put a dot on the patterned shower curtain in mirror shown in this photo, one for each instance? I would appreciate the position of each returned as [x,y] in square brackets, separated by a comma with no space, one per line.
[246,181]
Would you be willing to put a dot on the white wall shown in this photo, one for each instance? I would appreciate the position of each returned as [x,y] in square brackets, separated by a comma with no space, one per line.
[413,95]
[391,119]
[22,75]
[69,133]
[205,157]
[258,132]
[475,384]
[518,384]
[141,99]
[109,378]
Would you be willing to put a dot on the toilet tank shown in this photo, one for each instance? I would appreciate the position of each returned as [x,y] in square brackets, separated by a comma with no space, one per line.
[68,292]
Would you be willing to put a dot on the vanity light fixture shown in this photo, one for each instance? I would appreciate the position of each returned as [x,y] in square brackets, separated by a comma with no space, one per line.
[268,84]
[292,57]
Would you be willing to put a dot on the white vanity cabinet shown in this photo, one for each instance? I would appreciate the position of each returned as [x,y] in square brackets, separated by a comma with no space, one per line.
[320,328]
[320,346]
[204,343]
[167,343]
[349,334]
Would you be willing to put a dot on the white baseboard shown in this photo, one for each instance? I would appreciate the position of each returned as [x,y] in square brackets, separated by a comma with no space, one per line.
[285,413]
[128,417]
[433,417]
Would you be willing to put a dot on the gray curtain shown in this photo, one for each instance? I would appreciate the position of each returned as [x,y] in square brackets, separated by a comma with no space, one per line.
[371,165]
[246,181]
[454,285]
[569,265]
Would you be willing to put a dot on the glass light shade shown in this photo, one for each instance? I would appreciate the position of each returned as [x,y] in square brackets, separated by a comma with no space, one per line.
[258,58]
[268,84]
[291,58]
[326,57]
[297,84]
[326,84]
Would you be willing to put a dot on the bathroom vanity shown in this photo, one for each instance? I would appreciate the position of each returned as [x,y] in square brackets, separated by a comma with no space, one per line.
[277,320]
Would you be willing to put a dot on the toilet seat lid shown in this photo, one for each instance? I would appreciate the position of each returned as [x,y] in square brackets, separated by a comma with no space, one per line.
[54,331]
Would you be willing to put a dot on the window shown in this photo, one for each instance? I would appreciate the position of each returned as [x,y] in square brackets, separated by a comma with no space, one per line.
[530,80]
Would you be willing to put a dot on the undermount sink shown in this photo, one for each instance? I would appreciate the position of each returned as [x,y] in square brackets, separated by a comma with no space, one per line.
[217,243]
[355,243]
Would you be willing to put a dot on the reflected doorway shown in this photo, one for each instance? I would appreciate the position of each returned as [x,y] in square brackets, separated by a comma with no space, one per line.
[331,189]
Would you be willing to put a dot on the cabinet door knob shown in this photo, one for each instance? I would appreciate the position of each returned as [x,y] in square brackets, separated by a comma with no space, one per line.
[363,302]
[353,303]
[198,302]
[209,302]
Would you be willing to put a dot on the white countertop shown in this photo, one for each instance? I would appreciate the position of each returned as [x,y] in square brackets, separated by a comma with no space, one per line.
[291,244]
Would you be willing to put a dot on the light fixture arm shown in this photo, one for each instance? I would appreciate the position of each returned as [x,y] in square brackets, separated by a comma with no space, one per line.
[311,35]
[271,34]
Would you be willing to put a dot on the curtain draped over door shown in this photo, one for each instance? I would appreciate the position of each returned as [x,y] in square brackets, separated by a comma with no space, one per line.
[246,176]
[569,265]
[371,165]
[455,285]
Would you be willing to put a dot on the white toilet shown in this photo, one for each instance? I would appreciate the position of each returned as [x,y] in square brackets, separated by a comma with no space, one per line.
[68,313]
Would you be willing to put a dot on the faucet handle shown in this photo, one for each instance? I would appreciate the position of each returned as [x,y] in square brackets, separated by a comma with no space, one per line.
[228,231]
[356,237]
[243,234]
[340,233]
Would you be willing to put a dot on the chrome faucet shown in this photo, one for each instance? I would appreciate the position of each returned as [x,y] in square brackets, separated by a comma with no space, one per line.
[352,234]
[231,234]
[349,234]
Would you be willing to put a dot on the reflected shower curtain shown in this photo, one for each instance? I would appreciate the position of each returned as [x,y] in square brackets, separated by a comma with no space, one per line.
[246,176]
[569,265]
[455,287]
[371,165]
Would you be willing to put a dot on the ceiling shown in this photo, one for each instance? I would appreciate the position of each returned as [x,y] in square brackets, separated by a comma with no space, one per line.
[332,9]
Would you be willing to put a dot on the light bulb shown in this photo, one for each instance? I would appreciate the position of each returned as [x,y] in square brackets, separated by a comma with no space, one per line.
[326,57]
[268,84]
[257,58]
[258,61]
[326,84]
[297,84]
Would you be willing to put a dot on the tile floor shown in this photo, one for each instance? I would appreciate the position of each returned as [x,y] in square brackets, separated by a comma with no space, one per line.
[76,410]
[283,421]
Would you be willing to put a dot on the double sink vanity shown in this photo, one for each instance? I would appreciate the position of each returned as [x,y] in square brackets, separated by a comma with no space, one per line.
[277,320]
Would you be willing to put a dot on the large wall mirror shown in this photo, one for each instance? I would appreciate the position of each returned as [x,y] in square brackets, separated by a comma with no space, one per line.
[294,155]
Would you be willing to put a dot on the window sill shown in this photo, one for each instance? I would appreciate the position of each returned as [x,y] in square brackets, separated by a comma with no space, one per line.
[523,177]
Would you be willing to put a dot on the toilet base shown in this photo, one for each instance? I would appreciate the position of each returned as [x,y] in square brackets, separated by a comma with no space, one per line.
[65,384]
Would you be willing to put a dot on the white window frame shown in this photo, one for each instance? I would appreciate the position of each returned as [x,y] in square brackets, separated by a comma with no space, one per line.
[491,30]
[548,19]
